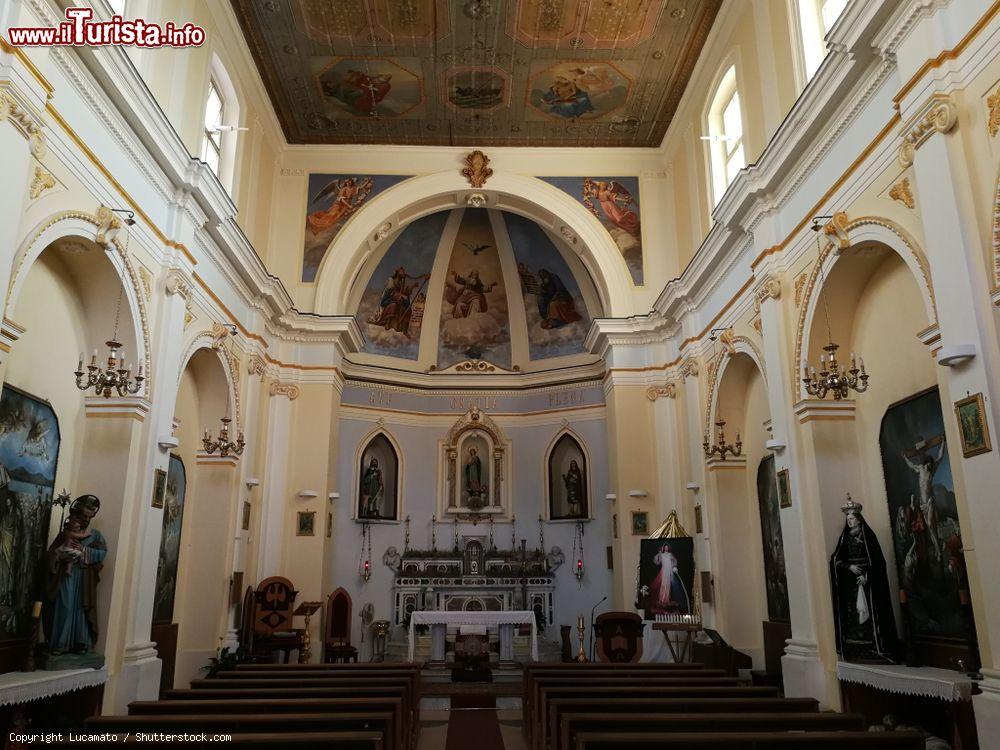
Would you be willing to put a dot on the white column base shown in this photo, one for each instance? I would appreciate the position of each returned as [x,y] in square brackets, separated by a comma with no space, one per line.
[987,709]
[230,640]
[805,676]
[138,680]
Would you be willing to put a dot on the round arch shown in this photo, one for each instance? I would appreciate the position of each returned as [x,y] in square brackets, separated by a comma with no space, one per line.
[741,346]
[206,340]
[865,230]
[88,226]
[380,219]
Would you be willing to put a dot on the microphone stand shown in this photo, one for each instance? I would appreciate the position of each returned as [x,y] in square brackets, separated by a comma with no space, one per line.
[594,609]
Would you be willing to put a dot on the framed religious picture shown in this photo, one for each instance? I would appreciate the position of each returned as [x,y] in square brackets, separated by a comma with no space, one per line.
[246,516]
[699,527]
[784,489]
[972,427]
[666,576]
[640,523]
[775,581]
[305,523]
[614,525]
[610,551]
[567,471]
[926,532]
[159,487]
[170,541]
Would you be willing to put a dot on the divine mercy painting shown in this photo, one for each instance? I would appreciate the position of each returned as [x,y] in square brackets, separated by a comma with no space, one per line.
[29,449]
[666,577]
[927,538]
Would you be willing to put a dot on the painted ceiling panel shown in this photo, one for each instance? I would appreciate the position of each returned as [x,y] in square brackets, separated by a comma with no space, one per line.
[476,72]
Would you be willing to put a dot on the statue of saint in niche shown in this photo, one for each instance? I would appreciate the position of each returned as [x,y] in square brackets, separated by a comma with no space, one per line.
[475,480]
[567,480]
[862,607]
[377,486]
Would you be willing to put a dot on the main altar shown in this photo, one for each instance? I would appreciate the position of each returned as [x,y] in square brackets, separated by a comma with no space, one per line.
[473,577]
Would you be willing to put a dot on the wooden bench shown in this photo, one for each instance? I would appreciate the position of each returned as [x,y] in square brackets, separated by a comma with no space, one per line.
[585,671]
[245,723]
[570,724]
[750,741]
[264,741]
[543,724]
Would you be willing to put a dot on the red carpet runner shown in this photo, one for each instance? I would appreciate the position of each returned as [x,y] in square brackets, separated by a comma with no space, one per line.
[478,729]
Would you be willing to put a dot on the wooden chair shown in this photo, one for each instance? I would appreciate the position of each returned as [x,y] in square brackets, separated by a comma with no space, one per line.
[619,637]
[273,604]
[337,629]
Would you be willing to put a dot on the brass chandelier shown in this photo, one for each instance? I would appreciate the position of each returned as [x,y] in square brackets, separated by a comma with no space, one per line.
[222,443]
[721,447]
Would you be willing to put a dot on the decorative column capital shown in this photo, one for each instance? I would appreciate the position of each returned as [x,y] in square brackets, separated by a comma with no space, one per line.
[938,115]
[668,390]
[24,120]
[689,368]
[277,388]
[178,284]
[256,365]
[770,289]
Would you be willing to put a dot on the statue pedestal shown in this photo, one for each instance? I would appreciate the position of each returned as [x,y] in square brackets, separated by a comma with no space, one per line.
[59,662]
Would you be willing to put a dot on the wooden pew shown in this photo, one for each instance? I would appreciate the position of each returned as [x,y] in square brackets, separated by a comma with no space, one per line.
[355,667]
[750,741]
[543,724]
[570,724]
[244,723]
[533,677]
[560,706]
[362,740]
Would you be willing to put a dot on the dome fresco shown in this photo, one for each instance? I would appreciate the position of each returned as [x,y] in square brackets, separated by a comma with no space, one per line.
[475,284]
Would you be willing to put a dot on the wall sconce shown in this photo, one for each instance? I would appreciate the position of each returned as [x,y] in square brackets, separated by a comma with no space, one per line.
[952,356]
[167,442]
[307,494]
[252,482]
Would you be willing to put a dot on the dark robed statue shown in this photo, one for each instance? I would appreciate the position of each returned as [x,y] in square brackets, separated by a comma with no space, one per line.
[862,606]
[573,479]
[74,561]
[475,486]
[372,489]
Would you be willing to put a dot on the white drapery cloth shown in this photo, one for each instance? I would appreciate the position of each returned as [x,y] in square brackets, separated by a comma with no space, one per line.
[482,619]
[944,684]
[22,687]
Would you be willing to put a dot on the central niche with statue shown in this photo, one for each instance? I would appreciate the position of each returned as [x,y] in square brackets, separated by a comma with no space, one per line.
[475,455]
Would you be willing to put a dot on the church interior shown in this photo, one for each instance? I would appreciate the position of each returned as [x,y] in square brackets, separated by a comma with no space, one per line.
[549,374]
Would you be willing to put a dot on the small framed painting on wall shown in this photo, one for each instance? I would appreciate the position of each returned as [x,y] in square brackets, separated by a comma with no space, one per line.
[640,523]
[306,523]
[159,487]
[972,427]
[246,516]
[699,527]
[784,489]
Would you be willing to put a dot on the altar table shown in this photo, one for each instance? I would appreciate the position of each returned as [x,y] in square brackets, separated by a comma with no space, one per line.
[503,621]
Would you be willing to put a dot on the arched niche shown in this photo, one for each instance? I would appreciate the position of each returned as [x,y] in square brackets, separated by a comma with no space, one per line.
[379,479]
[380,219]
[201,610]
[475,459]
[567,479]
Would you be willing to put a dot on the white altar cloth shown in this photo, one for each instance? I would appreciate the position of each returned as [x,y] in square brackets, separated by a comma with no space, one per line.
[22,687]
[930,682]
[483,619]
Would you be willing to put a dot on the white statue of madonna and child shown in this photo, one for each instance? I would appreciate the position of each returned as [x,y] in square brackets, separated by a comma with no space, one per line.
[73,564]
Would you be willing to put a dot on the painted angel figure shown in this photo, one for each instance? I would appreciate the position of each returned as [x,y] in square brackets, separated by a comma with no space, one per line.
[348,196]
[615,202]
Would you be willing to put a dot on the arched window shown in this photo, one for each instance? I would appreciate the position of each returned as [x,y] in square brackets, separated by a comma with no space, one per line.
[215,112]
[725,134]
[816,18]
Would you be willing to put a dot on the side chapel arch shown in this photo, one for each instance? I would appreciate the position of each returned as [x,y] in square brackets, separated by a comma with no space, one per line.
[379,220]
[734,346]
[101,228]
[214,339]
[848,236]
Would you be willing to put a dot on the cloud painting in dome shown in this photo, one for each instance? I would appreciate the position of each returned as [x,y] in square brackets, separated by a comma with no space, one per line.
[392,308]
[474,319]
[333,199]
[557,316]
[615,203]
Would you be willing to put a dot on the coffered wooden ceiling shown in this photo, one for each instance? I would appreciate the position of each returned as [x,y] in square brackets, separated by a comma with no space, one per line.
[476,72]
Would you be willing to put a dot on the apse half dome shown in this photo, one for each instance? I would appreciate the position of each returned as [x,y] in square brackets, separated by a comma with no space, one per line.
[476,284]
